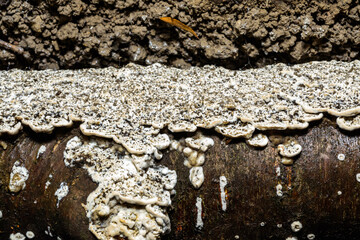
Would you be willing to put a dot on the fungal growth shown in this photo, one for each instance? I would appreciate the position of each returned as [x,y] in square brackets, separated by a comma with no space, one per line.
[259,140]
[289,149]
[61,192]
[194,149]
[223,183]
[199,221]
[296,226]
[41,150]
[133,105]
[131,198]
[18,176]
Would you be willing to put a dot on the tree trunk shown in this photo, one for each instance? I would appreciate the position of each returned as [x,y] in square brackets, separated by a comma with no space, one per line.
[319,191]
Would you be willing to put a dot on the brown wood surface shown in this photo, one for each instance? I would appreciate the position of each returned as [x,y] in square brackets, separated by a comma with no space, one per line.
[311,197]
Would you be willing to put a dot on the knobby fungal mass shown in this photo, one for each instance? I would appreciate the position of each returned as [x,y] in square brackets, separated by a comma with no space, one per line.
[128,107]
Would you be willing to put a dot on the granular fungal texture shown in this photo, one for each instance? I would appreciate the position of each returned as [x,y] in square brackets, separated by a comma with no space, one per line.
[131,105]
[129,201]
[65,34]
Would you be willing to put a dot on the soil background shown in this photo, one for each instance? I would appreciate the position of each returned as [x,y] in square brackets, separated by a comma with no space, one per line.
[64,34]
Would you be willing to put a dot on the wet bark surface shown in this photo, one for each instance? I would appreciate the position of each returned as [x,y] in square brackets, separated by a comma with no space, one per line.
[319,190]
[62,34]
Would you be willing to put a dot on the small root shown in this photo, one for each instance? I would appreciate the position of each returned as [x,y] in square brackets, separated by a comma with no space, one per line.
[11,47]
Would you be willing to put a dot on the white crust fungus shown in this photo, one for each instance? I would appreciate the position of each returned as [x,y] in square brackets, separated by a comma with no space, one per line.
[289,149]
[287,161]
[199,222]
[132,195]
[17,236]
[18,176]
[258,140]
[223,183]
[358,177]
[41,150]
[61,192]
[311,236]
[296,226]
[232,102]
[196,176]
[30,234]
[341,157]
[132,104]
[194,151]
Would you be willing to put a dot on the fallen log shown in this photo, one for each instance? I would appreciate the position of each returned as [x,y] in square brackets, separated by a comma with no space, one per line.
[74,168]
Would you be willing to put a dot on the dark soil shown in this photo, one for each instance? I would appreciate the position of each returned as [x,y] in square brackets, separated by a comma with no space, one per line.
[62,34]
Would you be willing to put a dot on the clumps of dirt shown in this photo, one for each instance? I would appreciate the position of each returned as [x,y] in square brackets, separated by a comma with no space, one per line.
[234,34]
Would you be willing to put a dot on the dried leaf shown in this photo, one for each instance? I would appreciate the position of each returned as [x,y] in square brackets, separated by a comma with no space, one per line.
[179,24]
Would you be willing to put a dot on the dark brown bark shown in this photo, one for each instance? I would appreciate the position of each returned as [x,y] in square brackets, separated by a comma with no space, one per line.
[312,198]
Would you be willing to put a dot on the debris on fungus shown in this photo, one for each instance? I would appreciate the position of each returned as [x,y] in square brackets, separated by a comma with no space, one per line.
[179,24]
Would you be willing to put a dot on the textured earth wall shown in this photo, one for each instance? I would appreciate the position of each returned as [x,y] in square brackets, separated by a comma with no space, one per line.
[61,34]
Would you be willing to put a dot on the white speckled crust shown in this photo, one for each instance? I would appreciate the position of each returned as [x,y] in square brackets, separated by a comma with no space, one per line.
[132,195]
[259,140]
[61,192]
[289,149]
[18,176]
[349,123]
[131,105]
[232,102]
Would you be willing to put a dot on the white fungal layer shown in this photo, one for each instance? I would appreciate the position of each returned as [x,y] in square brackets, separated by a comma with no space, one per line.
[232,102]
[41,150]
[3,145]
[133,193]
[18,176]
[30,234]
[279,190]
[223,183]
[341,157]
[48,182]
[311,236]
[358,177]
[1,214]
[289,149]
[194,152]
[259,140]
[199,222]
[296,226]
[61,192]
[131,105]
[48,231]
[17,236]
[196,176]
